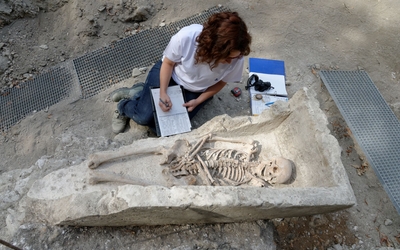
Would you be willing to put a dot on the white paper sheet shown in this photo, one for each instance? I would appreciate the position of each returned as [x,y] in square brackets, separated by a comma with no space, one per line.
[176,120]
[258,105]
[268,97]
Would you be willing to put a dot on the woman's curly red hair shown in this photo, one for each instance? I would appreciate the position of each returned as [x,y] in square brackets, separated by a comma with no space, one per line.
[223,33]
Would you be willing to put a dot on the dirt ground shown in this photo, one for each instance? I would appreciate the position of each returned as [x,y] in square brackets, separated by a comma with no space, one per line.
[309,35]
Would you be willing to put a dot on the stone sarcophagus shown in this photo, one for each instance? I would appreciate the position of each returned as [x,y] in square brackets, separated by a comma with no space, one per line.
[282,163]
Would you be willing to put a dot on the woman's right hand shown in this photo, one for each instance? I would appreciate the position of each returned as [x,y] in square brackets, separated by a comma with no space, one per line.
[165,102]
[167,67]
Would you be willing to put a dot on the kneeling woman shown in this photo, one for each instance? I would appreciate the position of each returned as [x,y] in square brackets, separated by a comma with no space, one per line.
[200,58]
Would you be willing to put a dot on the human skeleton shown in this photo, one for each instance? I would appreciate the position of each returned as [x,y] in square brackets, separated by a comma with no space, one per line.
[204,164]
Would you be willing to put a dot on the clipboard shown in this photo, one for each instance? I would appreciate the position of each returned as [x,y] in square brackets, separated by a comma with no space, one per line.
[175,121]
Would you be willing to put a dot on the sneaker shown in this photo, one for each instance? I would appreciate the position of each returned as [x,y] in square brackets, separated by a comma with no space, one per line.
[118,122]
[126,93]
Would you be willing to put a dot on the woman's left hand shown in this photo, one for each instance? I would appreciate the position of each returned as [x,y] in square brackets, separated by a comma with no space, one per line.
[190,105]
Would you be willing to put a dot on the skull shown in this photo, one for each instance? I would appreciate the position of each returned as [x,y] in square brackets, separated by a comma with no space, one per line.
[276,171]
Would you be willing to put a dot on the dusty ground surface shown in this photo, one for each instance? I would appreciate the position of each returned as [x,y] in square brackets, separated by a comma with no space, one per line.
[308,35]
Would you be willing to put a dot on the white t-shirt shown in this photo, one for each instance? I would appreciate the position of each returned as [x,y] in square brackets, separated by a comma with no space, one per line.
[197,77]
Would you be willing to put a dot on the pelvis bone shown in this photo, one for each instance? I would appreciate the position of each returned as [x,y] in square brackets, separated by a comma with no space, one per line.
[212,166]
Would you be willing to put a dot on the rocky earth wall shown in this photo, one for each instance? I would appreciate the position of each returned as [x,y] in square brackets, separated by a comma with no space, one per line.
[80,23]
[11,10]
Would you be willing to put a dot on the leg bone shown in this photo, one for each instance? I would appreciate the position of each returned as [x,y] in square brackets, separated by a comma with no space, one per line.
[100,157]
[96,177]
[179,148]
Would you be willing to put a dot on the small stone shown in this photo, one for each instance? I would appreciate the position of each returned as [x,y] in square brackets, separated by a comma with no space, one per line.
[388,222]
[143,70]
[162,24]
[28,76]
[337,247]
[136,72]
[90,18]
[3,64]
[44,46]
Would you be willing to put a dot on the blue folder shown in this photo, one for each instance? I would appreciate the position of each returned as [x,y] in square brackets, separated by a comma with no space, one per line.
[267,66]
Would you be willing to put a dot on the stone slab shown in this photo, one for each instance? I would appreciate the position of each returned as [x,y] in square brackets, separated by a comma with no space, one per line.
[296,130]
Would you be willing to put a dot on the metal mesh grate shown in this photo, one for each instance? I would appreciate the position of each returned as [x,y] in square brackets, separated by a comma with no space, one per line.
[373,123]
[107,66]
[37,94]
[95,71]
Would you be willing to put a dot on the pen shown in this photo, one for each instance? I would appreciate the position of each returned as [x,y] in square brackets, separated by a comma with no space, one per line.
[269,103]
[166,104]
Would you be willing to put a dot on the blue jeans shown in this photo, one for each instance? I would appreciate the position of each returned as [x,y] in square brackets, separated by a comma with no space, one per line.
[140,109]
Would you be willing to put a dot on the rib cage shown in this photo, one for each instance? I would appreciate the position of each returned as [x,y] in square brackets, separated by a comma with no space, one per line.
[215,154]
[226,166]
